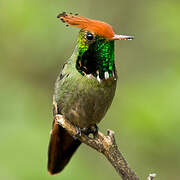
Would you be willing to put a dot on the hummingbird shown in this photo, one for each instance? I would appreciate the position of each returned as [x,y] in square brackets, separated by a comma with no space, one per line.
[85,87]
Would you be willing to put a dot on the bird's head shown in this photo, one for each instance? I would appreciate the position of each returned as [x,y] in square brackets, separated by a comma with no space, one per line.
[95,43]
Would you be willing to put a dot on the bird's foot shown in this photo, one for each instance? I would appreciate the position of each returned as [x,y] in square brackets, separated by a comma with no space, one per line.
[91,130]
[87,131]
[78,133]
[94,130]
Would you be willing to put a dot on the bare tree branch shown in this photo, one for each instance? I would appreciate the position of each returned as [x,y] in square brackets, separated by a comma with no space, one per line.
[151,176]
[105,145]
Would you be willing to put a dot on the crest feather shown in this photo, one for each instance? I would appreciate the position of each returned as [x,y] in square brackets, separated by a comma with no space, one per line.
[94,26]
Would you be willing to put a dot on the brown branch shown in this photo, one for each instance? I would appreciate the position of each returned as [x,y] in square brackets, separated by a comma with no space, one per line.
[105,145]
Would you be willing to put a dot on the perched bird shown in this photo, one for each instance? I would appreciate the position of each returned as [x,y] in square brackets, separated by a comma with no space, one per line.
[85,88]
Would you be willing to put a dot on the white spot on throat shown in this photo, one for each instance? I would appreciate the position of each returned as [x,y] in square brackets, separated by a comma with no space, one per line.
[106,75]
[98,78]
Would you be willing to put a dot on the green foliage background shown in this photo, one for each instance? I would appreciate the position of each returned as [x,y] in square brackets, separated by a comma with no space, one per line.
[145,114]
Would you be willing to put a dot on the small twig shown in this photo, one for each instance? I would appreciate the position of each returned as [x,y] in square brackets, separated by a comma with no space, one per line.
[103,144]
[151,176]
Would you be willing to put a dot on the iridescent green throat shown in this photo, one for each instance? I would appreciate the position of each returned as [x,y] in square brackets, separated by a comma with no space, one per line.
[96,57]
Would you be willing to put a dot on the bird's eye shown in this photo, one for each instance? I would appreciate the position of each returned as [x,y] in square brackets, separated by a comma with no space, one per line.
[89,36]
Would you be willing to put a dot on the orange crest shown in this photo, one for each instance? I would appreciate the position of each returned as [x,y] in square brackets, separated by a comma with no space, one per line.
[94,26]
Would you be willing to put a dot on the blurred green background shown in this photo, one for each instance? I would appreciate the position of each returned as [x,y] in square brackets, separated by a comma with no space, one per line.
[145,113]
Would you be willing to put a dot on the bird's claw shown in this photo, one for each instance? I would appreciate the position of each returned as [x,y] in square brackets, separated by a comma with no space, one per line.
[78,133]
[91,130]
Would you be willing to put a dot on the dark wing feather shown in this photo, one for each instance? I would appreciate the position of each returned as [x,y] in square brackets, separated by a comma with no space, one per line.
[61,148]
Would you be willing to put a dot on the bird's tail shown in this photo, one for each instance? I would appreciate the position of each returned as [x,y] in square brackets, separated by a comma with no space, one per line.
[61,148]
